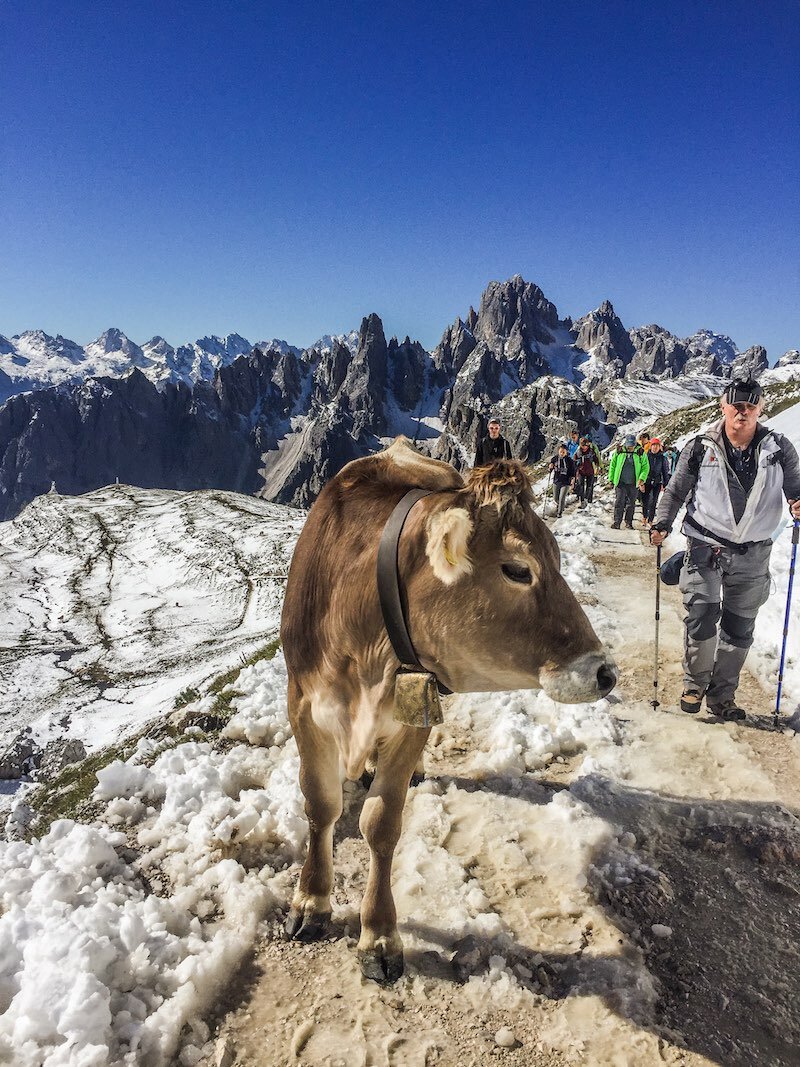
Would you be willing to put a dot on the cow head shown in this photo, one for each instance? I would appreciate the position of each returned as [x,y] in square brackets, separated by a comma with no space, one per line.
[488,608]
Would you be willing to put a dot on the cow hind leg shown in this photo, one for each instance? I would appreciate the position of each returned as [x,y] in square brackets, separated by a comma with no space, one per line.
[380,950]
[320,782]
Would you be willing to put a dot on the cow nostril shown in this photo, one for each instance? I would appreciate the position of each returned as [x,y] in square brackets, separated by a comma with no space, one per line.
[606,679]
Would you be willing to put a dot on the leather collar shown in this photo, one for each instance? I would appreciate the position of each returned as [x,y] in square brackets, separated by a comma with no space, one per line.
[389,588]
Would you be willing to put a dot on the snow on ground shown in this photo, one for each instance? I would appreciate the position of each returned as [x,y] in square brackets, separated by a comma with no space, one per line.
[127,966]
[662,397]
[114,602]
[788,373]
[136,922]
[769,627]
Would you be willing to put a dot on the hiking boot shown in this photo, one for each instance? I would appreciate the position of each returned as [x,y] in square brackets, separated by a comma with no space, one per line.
[691,701]
[728,711]
[628,526]
[614,525]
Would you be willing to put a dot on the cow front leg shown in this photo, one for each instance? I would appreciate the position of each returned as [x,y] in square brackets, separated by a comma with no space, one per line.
[380,950]
[310,913]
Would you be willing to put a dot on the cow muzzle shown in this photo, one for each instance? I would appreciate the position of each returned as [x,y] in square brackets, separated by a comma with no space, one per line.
[584,679]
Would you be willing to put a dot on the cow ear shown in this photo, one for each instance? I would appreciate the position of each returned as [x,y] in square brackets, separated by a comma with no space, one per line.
[449,532]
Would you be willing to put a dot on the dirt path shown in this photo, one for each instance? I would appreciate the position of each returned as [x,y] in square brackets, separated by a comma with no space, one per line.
[641,909]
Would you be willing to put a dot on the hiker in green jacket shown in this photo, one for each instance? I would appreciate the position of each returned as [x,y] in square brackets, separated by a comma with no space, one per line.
[628,473]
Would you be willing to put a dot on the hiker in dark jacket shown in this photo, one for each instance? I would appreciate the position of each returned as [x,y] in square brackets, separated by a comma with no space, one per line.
[493,447]
[563,469]
[586,466]
[657,479]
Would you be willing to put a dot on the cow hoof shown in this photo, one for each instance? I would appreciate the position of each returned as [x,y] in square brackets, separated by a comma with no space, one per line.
[300,926]
[380,968]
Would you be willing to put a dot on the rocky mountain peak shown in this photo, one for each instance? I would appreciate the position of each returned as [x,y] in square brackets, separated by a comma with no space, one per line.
[514,307]
[717,344]
[365,383]
[230,346]
[658,353]
[157,347]
[610,348]
[789,358]
[113,340]
[326,342]
[750,364]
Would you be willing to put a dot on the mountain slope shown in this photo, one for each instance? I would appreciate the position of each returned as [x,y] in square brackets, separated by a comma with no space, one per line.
[113,602]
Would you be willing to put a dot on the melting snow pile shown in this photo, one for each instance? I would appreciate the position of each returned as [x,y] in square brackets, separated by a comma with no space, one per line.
[132,925]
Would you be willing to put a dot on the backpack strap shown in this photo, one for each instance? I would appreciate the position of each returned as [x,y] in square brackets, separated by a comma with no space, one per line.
[732,545]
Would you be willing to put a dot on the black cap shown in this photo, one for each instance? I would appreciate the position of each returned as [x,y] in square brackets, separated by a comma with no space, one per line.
[743,392]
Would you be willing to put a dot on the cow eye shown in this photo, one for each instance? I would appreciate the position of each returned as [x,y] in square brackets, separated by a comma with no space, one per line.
[517,572]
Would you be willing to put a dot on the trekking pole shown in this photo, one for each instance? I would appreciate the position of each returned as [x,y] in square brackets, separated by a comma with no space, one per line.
[795,538]
[547,494]
[654,703]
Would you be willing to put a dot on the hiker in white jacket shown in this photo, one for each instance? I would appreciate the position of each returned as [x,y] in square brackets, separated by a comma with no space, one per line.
[733,479]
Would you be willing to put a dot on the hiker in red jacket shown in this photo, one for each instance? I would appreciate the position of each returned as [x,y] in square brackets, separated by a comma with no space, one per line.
[585,472]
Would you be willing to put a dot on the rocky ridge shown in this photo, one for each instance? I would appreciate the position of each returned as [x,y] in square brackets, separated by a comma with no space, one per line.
[277,421]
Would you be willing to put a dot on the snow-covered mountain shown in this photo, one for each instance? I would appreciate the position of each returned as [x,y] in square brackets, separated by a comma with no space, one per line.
[278,421]
[713,344]
[35,360]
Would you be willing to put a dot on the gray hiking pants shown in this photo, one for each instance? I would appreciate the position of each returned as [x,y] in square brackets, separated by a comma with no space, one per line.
[561,498]
[624,503]
[722,587]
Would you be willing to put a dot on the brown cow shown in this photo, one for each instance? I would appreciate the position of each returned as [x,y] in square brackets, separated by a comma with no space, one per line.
[487,610]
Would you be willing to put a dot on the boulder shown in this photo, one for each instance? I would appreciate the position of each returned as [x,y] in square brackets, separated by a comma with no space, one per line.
[57,755]
[19,756]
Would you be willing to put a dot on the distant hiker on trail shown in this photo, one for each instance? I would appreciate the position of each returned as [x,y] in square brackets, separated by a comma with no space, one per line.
[586,468]
[493,447]
[628,473]
[733,479]
[596,450]
[672,455]
[562,466]
[573,444]
[656,481]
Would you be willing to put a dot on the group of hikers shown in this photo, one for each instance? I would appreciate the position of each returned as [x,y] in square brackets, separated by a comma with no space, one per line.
[639,469]
[733,479]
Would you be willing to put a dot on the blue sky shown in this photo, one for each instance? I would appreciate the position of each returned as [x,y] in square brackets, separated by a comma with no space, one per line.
[282,169]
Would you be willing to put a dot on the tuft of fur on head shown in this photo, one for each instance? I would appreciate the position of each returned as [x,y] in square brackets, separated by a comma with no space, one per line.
[449,532]
[505,484]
